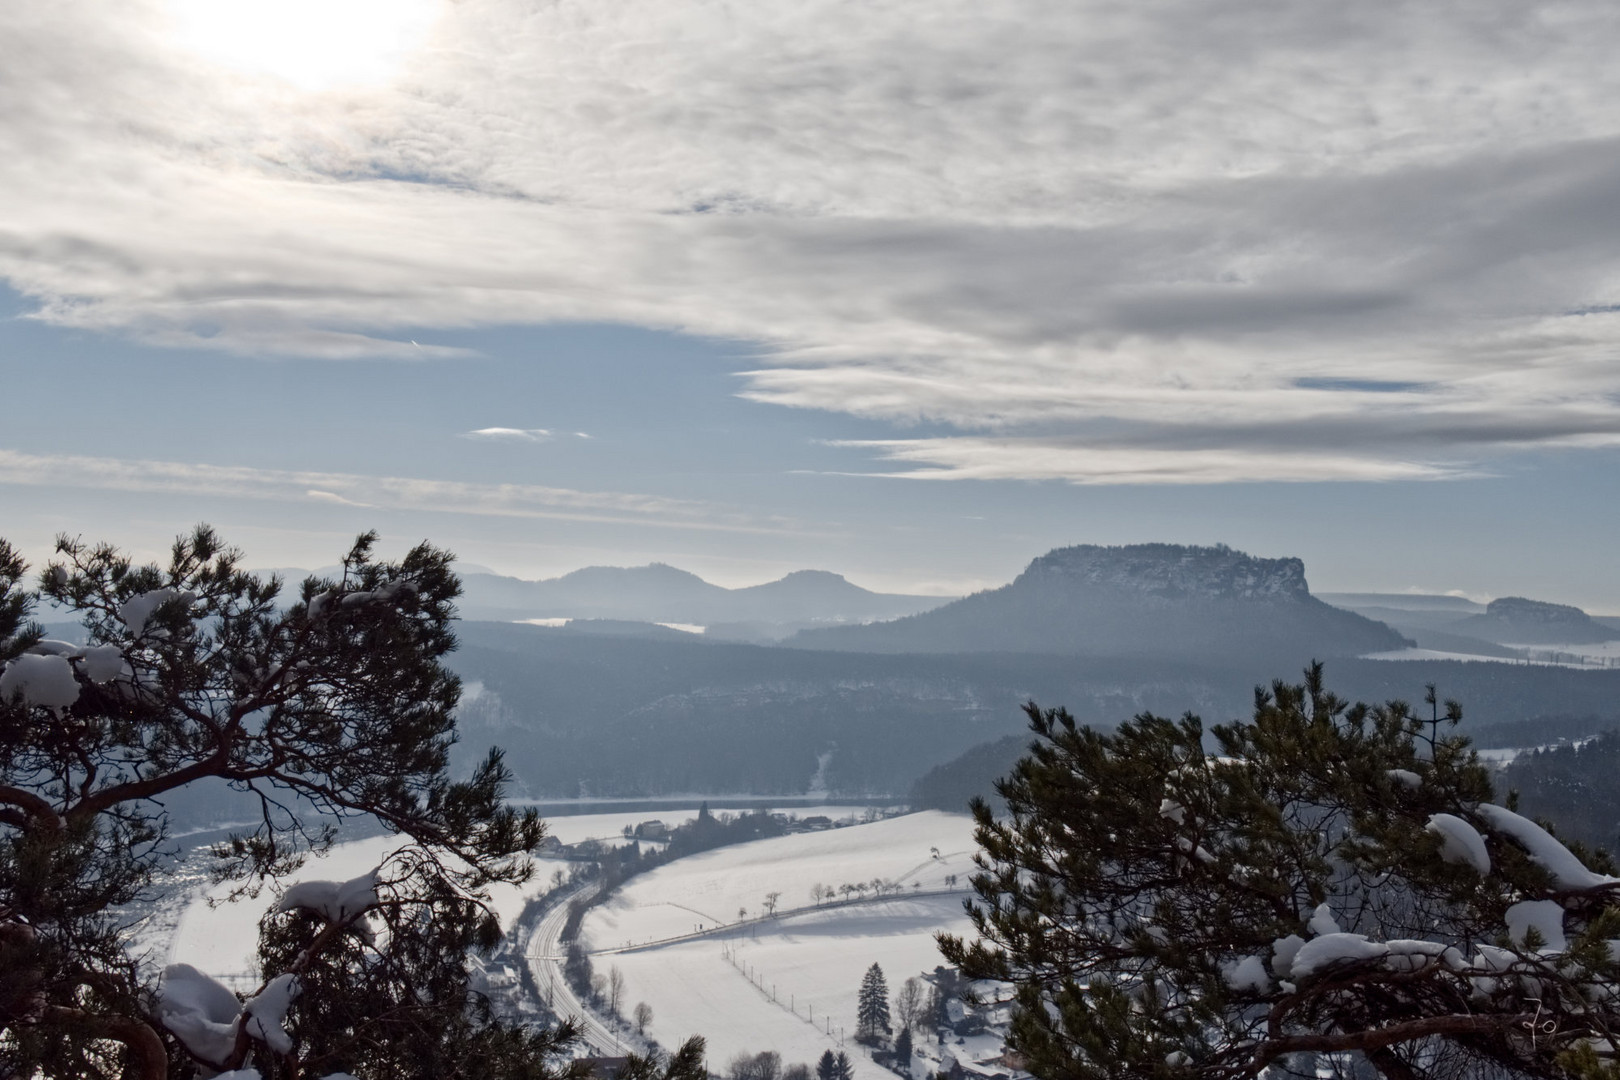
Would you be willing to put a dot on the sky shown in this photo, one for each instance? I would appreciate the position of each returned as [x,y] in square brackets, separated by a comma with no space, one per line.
[909,292]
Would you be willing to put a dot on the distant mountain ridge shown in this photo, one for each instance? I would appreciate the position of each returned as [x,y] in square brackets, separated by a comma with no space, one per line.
[662,593]
[1453,624]
[1165,600]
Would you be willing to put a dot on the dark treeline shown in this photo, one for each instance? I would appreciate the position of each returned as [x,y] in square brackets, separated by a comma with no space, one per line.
[1576,787]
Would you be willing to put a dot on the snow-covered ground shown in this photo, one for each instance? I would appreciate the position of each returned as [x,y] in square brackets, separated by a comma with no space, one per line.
[783,983]
[221,938]
[1600,655]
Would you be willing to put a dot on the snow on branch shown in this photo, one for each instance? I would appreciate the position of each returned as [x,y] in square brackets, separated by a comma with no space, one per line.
[199,1011]
[335,901]
[1461,842]
[1567,871]
[139,608]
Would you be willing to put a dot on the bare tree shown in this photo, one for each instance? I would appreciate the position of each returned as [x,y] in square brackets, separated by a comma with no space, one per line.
[643,1017]
[766,1065]
[770,902]
[910,1004]
[615,989]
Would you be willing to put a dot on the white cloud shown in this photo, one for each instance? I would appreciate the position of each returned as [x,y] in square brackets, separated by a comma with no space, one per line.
[1144,227]
[507,434]
[377,492]
[333,497]
[971,458]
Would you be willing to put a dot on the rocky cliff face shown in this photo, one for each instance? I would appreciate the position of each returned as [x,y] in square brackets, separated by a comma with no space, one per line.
[1170,572]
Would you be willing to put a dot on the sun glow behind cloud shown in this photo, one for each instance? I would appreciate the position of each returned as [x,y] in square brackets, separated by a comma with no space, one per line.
[312,44]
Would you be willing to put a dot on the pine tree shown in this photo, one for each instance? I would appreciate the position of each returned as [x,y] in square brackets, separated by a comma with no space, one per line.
[335,699]
[827,1066]
[872,1010]
[902,1048]
[843,1068]
[1330,880]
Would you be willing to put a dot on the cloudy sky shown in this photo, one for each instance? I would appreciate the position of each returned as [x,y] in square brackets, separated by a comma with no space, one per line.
[909,291]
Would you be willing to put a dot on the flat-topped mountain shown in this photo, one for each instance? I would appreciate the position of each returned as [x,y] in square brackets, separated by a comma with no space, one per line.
[1513,620]
[1161,600]
[1168,573]
[661,593]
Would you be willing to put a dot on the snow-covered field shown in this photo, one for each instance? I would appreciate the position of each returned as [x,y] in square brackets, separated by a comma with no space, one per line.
[779,985]
[221,938]
[1581,657]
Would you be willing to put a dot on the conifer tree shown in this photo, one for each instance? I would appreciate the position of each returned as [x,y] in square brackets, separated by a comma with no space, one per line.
[872,1009]
[328,705]
[1329,886]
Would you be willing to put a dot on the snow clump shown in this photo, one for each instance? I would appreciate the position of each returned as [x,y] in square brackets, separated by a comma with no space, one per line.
[1461,842]
[200,1012]
[1404,777]
[41,680]
[266,1012]
[137,609]
[1283,951]
[1567,871]
[103,663]
[1415,954]
[1330,950]
[336,901]
[1544,916]
[1247,974]
[1322,921]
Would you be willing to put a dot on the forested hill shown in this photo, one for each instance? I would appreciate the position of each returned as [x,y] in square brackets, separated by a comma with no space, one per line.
[1201,604]
[634,715]
[621,716]
[1503,705]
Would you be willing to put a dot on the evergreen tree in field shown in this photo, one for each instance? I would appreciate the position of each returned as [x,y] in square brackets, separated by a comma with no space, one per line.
[843,1068]
[1329,887]
[827,1066]
[329,704]
[872,1009]
[902,1048]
